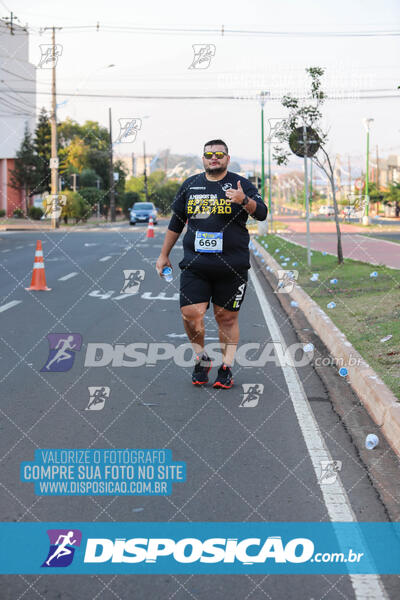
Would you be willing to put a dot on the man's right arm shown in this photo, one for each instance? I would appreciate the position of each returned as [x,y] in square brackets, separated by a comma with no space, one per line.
[175,228]
[169,243]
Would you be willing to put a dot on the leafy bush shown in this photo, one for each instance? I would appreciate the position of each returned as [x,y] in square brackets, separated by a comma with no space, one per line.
[2,213]
[76,207]
[18,213]
[35,213]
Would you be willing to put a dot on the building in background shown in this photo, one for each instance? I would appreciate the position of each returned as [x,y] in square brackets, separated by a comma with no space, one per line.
[387,172]
[17,75]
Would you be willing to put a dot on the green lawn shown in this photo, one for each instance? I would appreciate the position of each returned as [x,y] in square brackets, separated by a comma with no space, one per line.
[367,309]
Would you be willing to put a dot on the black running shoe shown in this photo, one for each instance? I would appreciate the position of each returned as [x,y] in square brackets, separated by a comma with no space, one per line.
[201,370]
[224,378]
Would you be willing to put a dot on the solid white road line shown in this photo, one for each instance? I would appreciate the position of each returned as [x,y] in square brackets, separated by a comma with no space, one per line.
[9,305]
[366,587]
[105,258]
[69,276]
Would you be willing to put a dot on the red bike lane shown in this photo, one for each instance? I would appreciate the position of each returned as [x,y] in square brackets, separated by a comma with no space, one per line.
[354,244]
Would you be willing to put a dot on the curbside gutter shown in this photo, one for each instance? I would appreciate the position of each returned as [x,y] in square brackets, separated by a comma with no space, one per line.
[378,399]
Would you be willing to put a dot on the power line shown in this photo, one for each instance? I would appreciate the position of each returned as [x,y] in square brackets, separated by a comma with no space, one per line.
[170,97]
[221,30]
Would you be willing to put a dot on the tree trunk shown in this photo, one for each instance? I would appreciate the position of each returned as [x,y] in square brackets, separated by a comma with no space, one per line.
[26,201]
[338,232]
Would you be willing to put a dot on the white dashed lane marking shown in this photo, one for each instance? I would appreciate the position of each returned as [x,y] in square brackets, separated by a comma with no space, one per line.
[9,305]
[69,276]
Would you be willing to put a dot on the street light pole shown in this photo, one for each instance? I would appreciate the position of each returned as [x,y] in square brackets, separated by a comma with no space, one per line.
[112,196]
[263,96]
[308,237]
[270,186]
[366,220]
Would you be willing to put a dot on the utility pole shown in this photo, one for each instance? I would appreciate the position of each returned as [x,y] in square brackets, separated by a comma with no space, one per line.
[270,186]
[366,219]
[349,170]
[377,168]
[10,22]
[112,195]
[308,237]
[146,191]
[53,123]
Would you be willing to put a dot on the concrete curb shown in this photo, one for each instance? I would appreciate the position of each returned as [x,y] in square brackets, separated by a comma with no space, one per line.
[377,398]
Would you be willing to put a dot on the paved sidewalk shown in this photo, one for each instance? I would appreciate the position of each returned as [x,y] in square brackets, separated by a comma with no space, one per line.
[355,245]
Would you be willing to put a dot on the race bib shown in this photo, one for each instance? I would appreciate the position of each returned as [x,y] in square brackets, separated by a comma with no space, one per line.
[207,241]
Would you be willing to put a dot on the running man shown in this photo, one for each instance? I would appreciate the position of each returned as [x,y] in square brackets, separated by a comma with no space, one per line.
[62,353]
[61,549]
[216,205]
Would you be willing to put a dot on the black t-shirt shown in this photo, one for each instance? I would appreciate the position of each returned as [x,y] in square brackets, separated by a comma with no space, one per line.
[206,208]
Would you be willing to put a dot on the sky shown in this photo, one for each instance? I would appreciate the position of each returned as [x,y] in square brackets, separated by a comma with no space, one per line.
[157,63]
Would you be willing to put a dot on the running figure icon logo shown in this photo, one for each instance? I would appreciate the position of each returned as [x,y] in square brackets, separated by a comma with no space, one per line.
[133,279]
[251,394]
[63,543]
[62,351]
[98,397]
[329,471]
[203,54]
[128,129]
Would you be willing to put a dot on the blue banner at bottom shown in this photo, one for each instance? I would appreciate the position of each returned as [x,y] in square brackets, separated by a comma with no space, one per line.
[212,548]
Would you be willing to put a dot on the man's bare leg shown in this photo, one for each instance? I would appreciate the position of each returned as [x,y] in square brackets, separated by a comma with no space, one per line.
[193,321]
[228,331]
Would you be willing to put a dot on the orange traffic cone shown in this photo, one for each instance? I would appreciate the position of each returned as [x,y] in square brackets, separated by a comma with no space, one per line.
[38,282]
[150,229]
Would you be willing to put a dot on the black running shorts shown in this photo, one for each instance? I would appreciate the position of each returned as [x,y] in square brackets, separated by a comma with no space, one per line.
[226,289]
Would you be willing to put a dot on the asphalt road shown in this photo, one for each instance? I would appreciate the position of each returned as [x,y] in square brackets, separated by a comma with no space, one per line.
[243,463]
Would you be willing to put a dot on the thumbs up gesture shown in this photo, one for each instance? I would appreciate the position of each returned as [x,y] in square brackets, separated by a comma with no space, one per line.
[236,196]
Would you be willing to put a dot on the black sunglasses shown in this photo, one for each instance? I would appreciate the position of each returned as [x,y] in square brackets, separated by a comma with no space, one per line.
[218,154]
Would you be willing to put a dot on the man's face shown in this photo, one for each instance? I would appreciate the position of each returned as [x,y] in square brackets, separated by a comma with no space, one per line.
[214,165]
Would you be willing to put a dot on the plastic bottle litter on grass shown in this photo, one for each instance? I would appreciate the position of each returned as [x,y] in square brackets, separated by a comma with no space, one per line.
[331,305]
[371,441]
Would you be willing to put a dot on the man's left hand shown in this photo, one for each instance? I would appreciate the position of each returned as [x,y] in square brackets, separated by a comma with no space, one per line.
[236,196]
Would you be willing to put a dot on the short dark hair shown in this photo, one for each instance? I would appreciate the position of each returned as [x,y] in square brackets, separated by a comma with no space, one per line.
[215,143]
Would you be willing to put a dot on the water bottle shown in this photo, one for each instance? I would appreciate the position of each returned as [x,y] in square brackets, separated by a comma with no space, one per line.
[371,441]
[167,274]
[331,305]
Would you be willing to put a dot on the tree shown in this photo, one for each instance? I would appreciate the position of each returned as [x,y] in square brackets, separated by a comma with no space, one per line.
[308,113]
[42,144]
[128,200]
[89,178]
[76,207]
[164,196]
[25,172]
